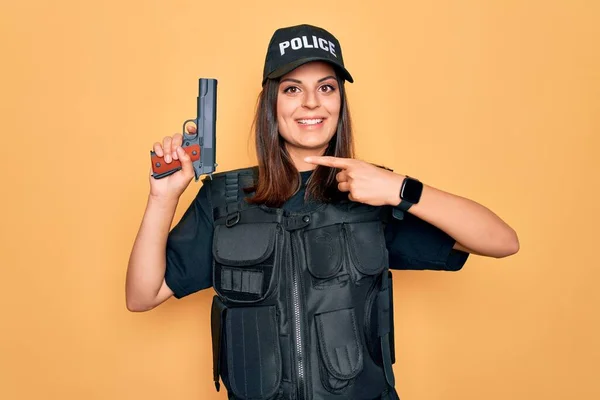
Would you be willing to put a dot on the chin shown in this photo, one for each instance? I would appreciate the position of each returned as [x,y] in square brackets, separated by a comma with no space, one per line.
[313,141]
[313,145]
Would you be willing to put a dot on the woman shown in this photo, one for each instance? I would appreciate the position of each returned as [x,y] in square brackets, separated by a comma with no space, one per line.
[298,249]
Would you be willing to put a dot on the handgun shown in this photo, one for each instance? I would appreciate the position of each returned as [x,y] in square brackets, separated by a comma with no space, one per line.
[201,146]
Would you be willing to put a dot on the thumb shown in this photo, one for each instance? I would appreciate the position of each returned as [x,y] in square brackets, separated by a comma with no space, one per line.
[186,162]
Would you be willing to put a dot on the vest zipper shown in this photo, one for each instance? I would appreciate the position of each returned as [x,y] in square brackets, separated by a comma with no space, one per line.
[297,311]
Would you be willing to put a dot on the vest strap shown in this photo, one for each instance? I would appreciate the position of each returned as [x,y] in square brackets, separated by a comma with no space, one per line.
[227,188]
[216,324]
[384,328]
[252,214]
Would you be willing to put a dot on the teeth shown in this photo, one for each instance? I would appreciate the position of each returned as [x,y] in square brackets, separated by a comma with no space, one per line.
[310,121]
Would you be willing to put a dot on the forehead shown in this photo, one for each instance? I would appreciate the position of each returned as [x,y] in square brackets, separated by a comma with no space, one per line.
[314,70]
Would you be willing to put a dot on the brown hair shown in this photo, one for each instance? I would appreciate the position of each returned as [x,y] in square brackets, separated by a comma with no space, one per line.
[278,178]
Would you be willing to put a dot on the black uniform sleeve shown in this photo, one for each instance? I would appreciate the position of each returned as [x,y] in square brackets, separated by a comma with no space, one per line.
[189,248]
[416,244]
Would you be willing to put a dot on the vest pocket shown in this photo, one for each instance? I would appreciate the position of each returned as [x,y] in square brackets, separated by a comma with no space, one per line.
[245,257]
[324,254]
[340,349]
[366,246]
[252,358]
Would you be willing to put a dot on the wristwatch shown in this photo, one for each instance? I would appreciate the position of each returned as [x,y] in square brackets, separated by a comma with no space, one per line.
[410,193]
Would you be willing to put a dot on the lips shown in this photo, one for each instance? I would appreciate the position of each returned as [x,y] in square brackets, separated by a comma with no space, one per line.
[310,121]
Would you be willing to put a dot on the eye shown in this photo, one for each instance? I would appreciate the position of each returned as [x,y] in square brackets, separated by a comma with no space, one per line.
[291,90]
[327,88]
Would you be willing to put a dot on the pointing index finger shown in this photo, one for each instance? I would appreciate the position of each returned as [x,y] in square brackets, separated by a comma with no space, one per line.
[328,161]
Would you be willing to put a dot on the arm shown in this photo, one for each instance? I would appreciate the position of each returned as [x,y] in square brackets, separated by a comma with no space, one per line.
[145,286]
[475,228]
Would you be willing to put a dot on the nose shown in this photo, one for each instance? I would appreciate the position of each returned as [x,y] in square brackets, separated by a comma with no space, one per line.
[311,100]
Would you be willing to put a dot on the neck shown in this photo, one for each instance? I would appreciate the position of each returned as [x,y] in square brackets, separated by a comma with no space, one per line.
[297,155]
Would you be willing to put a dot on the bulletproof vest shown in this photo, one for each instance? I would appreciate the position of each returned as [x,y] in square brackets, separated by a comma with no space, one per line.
[303,304]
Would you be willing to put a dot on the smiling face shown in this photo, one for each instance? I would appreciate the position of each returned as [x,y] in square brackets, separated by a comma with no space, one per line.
[308,110]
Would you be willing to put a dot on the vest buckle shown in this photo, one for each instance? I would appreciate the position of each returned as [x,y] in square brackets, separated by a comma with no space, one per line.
[232,219]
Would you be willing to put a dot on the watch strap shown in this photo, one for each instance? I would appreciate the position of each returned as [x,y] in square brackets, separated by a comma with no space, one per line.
[400,209]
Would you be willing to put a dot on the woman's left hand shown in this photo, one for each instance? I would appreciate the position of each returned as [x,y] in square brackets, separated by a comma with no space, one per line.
[364,182]
[474,227]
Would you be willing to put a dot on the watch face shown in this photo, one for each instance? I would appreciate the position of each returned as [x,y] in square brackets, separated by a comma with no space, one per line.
[411,191]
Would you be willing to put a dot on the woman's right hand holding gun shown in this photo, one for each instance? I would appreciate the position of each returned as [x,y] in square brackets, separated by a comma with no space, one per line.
[172,186]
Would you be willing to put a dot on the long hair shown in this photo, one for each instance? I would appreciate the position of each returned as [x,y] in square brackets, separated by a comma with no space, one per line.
[278,178]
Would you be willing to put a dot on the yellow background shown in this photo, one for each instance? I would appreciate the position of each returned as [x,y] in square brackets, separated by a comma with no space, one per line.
[497,101]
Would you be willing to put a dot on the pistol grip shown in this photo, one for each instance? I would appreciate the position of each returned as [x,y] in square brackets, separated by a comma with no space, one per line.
[161,169]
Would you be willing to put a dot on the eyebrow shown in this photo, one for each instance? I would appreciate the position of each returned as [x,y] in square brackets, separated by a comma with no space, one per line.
[297,81]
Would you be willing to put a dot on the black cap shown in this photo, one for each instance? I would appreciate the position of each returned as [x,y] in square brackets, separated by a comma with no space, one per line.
[293,46]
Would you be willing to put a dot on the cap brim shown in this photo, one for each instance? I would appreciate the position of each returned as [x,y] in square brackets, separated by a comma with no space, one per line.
[279,72]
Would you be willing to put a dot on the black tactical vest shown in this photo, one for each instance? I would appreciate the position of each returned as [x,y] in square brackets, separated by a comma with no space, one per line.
[304,300]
